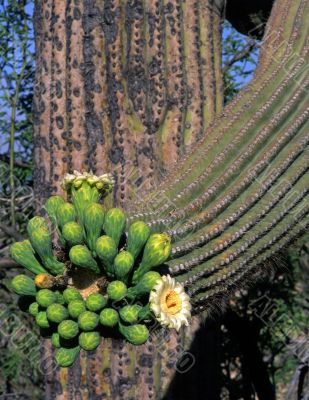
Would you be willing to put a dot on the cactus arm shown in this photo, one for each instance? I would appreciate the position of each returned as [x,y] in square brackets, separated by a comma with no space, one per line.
[243,201]
[241,195]
[259,97]
[236,232]
[272,221]
[250,264]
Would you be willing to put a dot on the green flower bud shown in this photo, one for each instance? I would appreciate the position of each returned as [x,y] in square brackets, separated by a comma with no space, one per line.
[106,250]
[138,235]
[41,241]
[60,298]
[88,321]
[114,224]
[76,307]
[96,301]
[83,194]
[57,313]
[89,340]
[23,285]
[71,294]
[78,183]
[68,329]
[55,340]
[93,223]
[157,251]
[135,334]
[73,233]
[145,313]
[65,357]
[130,313]
[123,264]
[46,297]
[34,309]
[81,256]
[52,204]
[109,317]
[23,254]
[145,285]
[36,223]
[65,213]
[41,320]
[116,290]
[44,281]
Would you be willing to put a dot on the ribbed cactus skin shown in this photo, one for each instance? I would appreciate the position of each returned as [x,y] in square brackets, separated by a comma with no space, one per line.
[240,196]
[230,204]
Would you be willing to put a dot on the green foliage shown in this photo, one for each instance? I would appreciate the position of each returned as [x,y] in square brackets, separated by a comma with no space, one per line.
[239,60]
[57,298]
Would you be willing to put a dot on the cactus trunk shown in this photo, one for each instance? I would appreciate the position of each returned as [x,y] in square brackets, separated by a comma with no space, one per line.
[127,87]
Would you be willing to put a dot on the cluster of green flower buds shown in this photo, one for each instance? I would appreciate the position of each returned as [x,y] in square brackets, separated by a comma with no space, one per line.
[96,242]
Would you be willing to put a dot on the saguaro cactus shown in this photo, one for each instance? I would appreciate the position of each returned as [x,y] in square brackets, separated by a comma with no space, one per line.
[128,87]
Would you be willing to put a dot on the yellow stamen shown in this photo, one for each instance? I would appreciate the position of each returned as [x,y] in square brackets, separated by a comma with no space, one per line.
[172,302]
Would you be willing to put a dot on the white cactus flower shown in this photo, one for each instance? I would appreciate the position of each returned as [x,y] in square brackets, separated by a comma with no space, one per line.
[170,304]
[104,182]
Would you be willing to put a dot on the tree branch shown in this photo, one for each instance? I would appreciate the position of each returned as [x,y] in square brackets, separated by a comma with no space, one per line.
[8,263]
[17,163]
[8,230]
[252,44]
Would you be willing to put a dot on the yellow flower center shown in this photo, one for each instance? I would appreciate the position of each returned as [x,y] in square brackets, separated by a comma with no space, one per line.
[172,302]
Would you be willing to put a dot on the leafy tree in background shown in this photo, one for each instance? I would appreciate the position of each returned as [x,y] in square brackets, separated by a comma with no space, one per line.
[16,86]
[239,59]
[18,336]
